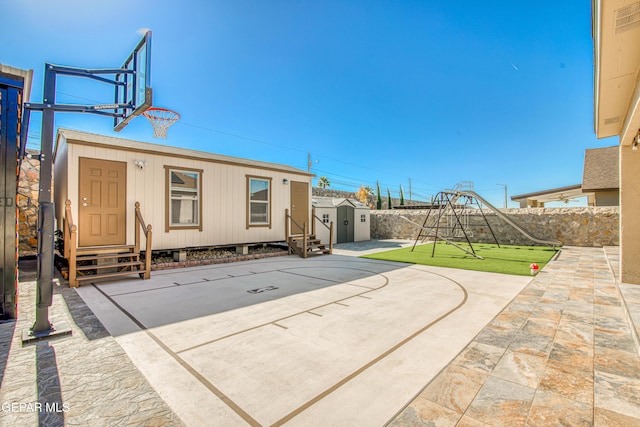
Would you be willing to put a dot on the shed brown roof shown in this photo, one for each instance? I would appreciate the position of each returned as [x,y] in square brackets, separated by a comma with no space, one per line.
[601,169]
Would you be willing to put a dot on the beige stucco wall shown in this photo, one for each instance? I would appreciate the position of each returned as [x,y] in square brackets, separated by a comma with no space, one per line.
[224,196]
[629,217]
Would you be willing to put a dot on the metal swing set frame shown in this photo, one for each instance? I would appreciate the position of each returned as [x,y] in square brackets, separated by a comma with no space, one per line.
[448,220]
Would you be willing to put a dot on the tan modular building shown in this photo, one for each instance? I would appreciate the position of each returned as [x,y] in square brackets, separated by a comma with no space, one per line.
[190,198]
[616,32]
[351,219]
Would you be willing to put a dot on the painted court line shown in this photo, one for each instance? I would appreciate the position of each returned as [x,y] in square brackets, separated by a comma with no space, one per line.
[234,406]
[286,317]
[230,403]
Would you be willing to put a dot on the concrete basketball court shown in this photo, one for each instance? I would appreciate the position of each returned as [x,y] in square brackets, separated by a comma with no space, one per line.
[329,340]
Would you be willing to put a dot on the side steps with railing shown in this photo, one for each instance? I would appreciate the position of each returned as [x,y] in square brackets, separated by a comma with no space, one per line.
[306,244]
[88,264]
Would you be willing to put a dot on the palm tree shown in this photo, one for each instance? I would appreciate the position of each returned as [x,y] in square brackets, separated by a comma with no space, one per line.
[323,182]
[368,189]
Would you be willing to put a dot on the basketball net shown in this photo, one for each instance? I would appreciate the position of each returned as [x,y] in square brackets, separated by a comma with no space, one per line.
[161,119]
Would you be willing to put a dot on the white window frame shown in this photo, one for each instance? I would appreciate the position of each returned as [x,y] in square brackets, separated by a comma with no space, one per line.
[169,223]
[250,222]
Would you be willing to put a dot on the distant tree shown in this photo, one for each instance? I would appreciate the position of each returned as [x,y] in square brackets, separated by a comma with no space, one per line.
[363,195]
[323,182]
[389,199]
[378,197]
[369,190]
[401,196]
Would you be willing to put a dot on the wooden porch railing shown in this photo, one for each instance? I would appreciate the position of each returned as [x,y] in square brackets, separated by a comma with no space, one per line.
[288,218]
[287,234]
[70,238]
[305,231]
[148,237]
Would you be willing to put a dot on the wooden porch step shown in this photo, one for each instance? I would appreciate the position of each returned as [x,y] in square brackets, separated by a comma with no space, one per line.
[96,250]
[96,277]
[107,256]
[309,241]
[300,240]
[103,266]
[316,246]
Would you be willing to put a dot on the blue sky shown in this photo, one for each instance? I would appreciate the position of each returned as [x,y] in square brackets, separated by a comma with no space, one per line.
[436,92]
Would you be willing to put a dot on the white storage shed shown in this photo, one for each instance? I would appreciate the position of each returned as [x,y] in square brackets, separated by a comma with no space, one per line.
[351,219]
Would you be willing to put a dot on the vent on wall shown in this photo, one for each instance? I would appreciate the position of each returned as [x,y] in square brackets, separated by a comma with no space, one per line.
[611,120]
[628,18]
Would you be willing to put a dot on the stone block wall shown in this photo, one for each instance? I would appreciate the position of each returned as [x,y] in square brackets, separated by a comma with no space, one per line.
[27,202]
[588,226]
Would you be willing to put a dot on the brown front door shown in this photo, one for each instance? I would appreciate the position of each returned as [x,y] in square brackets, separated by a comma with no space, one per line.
[102,210]
[299,206]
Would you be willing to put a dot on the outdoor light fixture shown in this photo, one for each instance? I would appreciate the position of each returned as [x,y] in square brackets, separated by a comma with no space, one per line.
[285,181]
[140,164]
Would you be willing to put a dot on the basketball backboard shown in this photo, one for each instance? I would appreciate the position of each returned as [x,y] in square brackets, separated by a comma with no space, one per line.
[134,87]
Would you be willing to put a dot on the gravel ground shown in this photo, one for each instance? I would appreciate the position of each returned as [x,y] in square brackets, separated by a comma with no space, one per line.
[217,253]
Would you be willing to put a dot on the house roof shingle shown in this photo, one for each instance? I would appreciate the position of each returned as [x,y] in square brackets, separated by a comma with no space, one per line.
[601,169]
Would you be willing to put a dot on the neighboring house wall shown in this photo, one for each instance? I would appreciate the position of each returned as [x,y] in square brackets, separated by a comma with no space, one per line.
[607,198]
[593,226]
[529,203]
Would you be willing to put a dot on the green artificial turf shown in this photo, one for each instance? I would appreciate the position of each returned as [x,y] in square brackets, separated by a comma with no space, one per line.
[504,259]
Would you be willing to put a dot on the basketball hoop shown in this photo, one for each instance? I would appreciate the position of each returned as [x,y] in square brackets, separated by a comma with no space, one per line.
[161,119]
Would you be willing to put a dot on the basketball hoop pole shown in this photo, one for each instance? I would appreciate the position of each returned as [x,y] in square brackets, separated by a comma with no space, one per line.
[44,293]
[42,327]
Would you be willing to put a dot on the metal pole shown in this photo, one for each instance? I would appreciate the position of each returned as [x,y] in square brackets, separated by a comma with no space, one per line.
[44,296]
[505,194]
